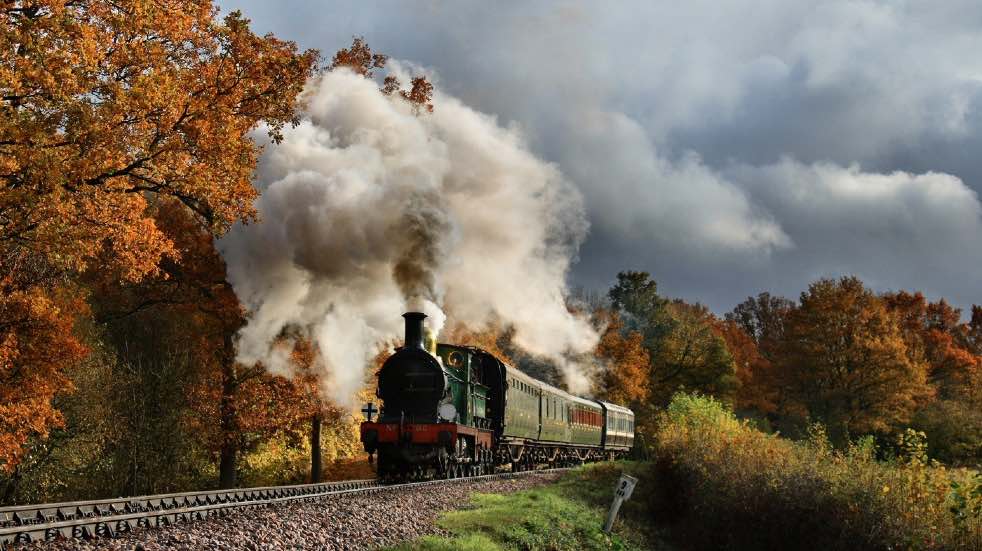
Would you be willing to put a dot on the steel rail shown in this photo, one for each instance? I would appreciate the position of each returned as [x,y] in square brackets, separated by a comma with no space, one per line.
[19,515]
[105,517]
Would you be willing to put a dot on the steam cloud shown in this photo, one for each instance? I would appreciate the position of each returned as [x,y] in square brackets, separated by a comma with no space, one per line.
[369,210]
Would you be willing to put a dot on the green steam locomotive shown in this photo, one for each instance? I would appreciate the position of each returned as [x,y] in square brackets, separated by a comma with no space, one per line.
[450,411]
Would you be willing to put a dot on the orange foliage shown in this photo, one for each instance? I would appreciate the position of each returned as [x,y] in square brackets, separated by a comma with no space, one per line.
[36,344]
[419,95]
[107,104]
[106,110]
[360,59]
[626,379]
[758,389]
[934,333]
[490,339]
[847,363]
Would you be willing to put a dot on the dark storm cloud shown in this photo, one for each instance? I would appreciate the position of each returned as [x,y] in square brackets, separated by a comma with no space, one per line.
[727,147]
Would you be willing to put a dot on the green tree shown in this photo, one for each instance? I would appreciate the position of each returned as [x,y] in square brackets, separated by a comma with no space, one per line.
[683,348]
[692,356]
[642,309]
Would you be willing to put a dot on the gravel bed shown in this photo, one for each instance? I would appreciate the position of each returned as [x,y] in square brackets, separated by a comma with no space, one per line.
[345,522]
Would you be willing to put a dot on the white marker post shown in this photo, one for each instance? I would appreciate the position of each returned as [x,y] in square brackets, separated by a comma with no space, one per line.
[625,486]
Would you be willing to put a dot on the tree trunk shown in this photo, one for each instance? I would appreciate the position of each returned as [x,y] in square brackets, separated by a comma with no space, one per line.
[226,468]
[228,420]
[315,448]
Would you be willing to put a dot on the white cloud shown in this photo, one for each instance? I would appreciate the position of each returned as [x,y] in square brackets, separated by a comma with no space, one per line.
[691,127]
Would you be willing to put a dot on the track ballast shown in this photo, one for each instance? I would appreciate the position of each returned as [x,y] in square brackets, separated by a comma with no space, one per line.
[111,517]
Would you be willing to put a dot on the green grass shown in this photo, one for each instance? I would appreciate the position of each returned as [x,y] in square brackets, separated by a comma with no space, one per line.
[567,515]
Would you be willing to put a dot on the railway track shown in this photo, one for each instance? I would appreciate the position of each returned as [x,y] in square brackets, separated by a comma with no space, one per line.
[109,517]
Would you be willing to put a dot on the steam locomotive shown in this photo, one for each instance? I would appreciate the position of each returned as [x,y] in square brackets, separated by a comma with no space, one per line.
[450,411]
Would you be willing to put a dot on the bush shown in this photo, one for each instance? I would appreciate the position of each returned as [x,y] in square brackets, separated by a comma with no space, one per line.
[728,485]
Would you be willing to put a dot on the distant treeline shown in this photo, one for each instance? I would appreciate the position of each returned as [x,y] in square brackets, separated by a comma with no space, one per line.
[857,362]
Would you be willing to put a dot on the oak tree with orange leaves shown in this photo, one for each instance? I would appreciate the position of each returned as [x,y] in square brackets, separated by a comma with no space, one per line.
[360,59]
[935,334]
[625,378]
[107,107]
[759,389]
[847,363]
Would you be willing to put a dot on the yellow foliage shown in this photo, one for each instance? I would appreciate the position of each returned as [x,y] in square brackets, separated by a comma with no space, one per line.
[750,486]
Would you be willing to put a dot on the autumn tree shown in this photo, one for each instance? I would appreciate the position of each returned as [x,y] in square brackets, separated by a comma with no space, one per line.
[692,357]
[846,361]
[625,378]
[762,318]
[108,107]
[759,390]
[360,59]
[37,343]
[935,334]
[189,306]
[312,406]
[683,349]
[492,338]
[635,296]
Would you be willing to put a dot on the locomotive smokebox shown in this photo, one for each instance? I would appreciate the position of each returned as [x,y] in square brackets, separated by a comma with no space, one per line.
[414,329]
[411,382]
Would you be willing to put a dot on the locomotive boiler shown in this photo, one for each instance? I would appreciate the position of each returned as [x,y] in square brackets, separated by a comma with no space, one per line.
[450,411]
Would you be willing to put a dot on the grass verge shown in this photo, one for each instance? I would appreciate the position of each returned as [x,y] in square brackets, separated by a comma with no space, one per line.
[564,516]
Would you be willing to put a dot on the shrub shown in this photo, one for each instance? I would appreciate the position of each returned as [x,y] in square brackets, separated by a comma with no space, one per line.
[736,487]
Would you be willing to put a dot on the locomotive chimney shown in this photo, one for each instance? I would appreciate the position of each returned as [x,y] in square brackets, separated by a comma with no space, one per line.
[414,329]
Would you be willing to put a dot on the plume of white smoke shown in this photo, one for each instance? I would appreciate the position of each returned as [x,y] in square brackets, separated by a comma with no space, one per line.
[368,210]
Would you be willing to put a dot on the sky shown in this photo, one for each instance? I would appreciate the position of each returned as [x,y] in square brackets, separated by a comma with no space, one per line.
[726,147]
